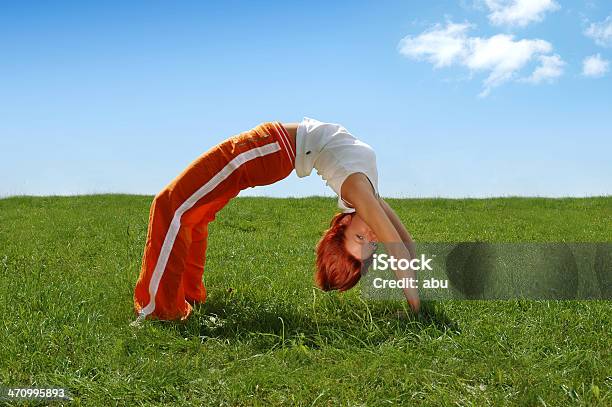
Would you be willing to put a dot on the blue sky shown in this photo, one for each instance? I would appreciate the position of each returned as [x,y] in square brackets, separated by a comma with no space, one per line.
[458,98]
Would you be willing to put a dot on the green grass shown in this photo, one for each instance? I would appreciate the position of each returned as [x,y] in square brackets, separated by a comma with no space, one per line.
[265,336]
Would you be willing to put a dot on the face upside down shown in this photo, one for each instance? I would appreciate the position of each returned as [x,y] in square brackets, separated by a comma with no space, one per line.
[342,251]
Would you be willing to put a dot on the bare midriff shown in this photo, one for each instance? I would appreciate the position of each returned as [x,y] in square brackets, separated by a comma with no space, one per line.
[292,130]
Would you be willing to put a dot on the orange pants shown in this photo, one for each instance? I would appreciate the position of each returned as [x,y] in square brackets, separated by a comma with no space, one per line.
[174,254]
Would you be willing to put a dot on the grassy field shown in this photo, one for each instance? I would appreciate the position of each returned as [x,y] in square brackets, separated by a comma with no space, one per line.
[265,336]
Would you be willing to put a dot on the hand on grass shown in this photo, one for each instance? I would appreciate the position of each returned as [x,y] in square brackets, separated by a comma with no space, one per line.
[415,304]
[412,294]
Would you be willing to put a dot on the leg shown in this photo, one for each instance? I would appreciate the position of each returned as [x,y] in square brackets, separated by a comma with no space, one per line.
[163,293]
[195,291]
[194,266]
[180,214]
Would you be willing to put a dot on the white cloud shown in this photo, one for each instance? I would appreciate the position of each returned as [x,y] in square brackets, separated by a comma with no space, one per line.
[440,46]
[501,56]
[550,68]
[601,32]
[518,12]
[595,66]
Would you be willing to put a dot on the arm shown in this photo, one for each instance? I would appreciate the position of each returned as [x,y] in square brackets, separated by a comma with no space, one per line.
[358,190]
[399,226]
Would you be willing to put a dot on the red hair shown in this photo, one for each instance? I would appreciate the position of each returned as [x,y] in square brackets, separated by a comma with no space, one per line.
[337,269]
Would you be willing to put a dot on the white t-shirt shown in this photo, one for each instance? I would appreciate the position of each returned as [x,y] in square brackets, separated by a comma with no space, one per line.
[335,153]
